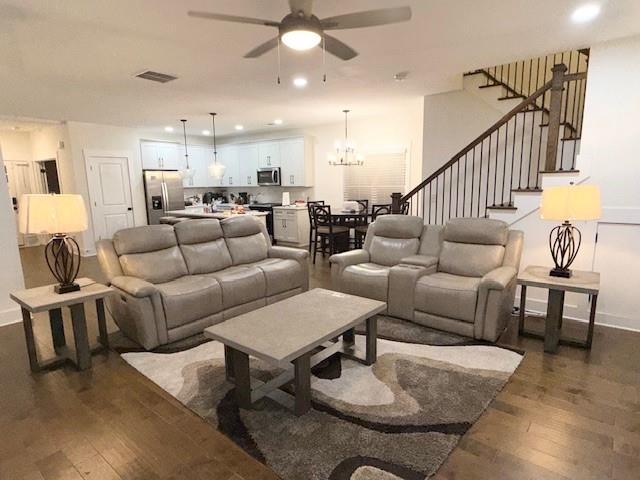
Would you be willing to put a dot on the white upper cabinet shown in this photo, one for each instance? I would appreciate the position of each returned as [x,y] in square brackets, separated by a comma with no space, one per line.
[248,164]
[160,156]
[296,162]
[228,156]
[199,156]
[269,154]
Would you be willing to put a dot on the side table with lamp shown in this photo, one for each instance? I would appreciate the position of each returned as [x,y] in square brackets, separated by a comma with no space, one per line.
[58,215]
[564,204]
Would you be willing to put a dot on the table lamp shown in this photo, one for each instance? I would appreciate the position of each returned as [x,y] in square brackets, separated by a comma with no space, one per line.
[56,215]
[567,203]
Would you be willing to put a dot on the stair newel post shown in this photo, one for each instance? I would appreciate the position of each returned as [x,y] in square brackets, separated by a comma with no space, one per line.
[395,203]
[555,113]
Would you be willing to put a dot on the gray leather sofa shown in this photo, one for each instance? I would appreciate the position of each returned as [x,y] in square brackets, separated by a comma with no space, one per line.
[175,280]
[459,278]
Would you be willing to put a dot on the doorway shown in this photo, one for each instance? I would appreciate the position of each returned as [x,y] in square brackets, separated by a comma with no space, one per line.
[48,176]
[109,192]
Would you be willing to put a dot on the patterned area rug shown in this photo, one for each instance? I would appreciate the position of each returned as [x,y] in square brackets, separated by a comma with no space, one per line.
[397,419]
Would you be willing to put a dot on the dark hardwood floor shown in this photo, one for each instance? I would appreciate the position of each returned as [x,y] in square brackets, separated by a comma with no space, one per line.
[574,415]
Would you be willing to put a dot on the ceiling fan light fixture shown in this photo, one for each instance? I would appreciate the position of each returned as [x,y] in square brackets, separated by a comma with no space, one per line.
[301,39]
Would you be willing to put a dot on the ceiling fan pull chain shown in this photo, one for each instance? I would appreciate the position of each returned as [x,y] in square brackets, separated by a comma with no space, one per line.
[324,61]
[278,59]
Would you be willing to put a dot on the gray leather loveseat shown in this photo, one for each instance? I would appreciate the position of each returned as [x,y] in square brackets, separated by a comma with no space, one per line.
[459,278]
[175,280]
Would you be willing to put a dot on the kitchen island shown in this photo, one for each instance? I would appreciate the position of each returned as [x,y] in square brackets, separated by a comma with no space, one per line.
[200,212]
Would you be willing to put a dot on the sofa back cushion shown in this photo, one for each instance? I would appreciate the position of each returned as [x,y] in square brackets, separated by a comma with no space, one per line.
[203,246]
[472,247]
[246,239]
[394,237]
[150,252]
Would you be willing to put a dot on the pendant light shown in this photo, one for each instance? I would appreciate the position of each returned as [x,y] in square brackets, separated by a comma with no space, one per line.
[345,154]
[216,170]
[188,172]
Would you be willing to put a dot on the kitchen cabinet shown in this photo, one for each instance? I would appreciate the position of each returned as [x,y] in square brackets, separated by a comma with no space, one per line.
[228,156]
[248,155]
[268,154]
[160,156]
[291,226]
[296,163]
[199,158]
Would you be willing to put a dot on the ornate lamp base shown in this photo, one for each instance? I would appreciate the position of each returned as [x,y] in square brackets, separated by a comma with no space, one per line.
[62,254]
[564,243]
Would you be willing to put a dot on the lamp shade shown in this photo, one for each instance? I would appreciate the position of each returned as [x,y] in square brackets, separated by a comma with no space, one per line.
[51,214]
[571,202]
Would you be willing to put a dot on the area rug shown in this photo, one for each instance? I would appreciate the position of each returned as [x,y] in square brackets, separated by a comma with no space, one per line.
[397,419]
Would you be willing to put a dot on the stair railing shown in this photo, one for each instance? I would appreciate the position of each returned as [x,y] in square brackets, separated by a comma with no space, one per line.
[506,158]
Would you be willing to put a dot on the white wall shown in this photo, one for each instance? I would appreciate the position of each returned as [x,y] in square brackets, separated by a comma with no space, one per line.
[16,146]
[11,272]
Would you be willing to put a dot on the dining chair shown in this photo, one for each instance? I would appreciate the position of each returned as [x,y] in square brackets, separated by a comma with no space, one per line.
[376,211]
[364,204]
[404,208]
[326,231]
[312,226]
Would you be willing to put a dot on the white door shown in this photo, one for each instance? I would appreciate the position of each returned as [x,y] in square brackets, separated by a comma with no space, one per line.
[110,194]
[18,179]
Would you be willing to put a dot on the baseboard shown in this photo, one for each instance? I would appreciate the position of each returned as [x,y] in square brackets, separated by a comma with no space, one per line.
[10,315]
[572,312]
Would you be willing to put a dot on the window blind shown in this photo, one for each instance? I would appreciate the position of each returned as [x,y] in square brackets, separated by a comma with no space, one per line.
[380,176]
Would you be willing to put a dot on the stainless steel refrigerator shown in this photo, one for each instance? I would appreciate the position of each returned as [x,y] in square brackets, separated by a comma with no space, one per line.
[163,191]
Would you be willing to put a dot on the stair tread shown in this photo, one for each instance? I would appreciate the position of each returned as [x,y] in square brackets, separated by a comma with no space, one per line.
[559,171]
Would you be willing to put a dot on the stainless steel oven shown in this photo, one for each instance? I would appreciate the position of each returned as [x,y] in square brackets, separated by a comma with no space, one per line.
[269,176]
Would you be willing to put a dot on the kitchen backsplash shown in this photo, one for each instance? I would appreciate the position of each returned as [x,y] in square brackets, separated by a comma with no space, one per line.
[258,194]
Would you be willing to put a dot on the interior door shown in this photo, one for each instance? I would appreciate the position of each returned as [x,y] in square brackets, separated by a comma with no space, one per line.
[19,184]
[110,194]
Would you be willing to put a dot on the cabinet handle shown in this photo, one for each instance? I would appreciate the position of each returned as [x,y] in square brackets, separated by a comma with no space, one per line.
[291,179]
[230,180]
[249,180]
[269,160]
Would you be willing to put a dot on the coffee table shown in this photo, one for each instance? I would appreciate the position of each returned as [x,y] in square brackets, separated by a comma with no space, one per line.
[285,334]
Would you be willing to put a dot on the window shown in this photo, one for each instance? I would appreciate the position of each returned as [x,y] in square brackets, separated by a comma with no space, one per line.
[381,175]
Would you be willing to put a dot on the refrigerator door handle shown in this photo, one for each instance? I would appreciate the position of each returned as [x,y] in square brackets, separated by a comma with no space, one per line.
[165,197]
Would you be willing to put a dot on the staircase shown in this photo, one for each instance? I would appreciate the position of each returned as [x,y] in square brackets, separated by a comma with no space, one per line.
[538,134]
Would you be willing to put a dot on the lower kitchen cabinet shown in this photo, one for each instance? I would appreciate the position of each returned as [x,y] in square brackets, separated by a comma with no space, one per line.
[291,226]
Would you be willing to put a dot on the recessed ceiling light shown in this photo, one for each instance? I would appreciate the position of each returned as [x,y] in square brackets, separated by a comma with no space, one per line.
[168,129]
[300,82]
[277,121]
[239,127]
[206,132]
[585,13]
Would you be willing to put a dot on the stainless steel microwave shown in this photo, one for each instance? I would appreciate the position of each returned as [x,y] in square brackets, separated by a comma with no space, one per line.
[269,176]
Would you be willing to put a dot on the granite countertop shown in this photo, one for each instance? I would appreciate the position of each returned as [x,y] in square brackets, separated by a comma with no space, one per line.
[292,207]
[198,212]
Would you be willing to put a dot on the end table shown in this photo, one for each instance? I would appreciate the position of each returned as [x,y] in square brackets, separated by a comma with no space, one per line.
[44,299]
[580,282]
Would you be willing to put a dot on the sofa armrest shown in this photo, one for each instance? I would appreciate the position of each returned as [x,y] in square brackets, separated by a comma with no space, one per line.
[134,286]
[498,279]
[426,261]
[352,257]
[287,252]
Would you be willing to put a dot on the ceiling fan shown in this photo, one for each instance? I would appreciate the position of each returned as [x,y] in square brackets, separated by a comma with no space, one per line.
[302,30]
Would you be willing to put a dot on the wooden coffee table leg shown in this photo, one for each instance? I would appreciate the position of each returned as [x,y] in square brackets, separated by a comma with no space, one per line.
[592,320]
[30,340]
[372,340]
[553,322]
[349,336]
[240,368]
[228,363]
[102,323]
[523,306]
[57,328]
[81,337]
[302,367]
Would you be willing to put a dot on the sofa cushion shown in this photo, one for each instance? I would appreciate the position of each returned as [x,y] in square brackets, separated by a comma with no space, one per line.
[155,267]
[447,295]
[485,231]
[190,298]
[240,284]
[398,226]
[468,259]
[203,246]
[148,238]
[245,238]
[389,251]
[280,274]
[368,280]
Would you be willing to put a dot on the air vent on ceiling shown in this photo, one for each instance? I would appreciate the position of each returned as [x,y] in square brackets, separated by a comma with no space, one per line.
[156,76]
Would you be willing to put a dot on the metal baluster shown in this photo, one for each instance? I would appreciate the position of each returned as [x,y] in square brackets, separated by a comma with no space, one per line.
[513,154]
[473,177]
[486,193]
[480,179]
[565,92]
[495,171]
[504,163]
[435,207]
[457,186]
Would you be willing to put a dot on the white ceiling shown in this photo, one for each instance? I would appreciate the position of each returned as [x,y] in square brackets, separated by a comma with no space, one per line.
[75,59]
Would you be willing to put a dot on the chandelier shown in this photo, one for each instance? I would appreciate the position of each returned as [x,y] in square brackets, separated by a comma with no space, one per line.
[345,154]
[216,170]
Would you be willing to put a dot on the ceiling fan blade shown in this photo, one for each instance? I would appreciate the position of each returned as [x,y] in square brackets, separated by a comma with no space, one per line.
[263,48]
[338,48]
[369,18]
[233,18]
[301,5]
